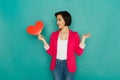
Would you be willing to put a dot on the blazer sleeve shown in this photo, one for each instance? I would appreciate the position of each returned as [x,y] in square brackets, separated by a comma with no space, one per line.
[78,49]
[50,50]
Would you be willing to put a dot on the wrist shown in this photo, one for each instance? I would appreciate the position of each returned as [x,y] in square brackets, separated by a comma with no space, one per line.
[83,40]
[44,41]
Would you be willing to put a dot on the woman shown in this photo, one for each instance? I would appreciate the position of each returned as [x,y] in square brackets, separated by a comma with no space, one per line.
[64,43]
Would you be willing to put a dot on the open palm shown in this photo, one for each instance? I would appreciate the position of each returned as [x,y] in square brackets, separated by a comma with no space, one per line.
[86,35]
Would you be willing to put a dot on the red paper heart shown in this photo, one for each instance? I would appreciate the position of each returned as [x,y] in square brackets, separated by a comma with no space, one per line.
[35,30]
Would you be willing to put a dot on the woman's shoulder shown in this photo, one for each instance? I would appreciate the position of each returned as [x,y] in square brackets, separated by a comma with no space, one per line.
[55,33]
[74,32]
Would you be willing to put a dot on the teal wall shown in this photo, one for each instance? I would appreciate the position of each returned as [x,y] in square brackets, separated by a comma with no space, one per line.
[22,56]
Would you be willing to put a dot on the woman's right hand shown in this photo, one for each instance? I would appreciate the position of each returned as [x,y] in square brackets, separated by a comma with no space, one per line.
[40,37]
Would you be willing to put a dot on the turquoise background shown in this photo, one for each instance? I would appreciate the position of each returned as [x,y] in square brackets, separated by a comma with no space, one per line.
[22,56]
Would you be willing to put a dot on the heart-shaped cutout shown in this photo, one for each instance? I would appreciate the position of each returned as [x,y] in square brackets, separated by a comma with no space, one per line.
[37,29]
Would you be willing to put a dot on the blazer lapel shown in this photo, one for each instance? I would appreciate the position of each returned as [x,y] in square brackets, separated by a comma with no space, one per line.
[69,41]
[56,40]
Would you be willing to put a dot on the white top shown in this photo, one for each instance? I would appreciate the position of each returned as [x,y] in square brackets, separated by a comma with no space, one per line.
[62,49]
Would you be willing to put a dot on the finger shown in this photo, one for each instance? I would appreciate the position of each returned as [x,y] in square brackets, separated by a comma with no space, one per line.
[88,34]
[41,35]
[38,34]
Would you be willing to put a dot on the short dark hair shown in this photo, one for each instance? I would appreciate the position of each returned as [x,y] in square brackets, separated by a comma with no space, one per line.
[66,16]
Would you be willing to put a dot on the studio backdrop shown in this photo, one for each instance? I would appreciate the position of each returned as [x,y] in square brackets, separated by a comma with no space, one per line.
[23,57]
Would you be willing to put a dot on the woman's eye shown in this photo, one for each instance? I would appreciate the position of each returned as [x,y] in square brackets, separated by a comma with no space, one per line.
[58,19]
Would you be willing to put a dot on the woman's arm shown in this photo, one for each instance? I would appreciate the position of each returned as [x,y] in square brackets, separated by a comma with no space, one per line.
[46,45]
[80,44]
[84,37]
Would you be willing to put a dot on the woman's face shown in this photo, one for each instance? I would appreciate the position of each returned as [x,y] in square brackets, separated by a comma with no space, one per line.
[60,21]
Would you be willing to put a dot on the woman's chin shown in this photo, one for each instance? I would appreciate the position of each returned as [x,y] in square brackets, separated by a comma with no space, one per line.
[59,27]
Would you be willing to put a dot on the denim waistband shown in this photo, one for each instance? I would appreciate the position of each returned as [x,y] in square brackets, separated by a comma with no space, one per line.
[57,60]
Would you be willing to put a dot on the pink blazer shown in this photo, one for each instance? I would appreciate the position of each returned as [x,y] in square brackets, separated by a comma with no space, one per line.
[72,48]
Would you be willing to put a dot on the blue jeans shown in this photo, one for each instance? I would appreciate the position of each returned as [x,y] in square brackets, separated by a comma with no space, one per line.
[61,72]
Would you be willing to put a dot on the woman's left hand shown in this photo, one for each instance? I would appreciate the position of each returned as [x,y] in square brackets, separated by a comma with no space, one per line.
[85,36]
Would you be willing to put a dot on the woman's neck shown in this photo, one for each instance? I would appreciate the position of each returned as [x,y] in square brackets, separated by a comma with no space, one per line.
[65,29]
